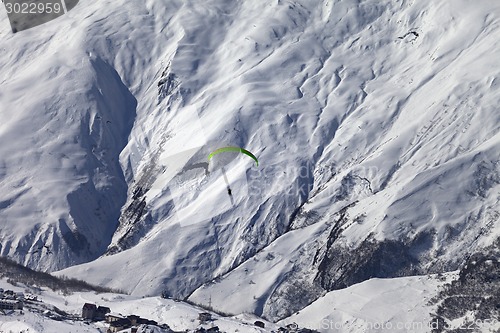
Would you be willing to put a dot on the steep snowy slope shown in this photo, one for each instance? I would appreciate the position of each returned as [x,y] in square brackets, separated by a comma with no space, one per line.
[376,126]
[376,122]
[416,164]
[67,106]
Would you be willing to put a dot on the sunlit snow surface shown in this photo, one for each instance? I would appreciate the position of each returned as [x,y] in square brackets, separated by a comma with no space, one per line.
[179,316]
[388,107]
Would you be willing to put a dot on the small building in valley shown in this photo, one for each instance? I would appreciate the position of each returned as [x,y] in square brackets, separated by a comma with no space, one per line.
[118,325]
[133,319]
[111,317]
[101,312]
[11,304]
[88,311]
[204,317]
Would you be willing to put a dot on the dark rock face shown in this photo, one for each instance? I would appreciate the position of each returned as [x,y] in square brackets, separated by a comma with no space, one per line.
[476,291]
[341,267]
[292,295]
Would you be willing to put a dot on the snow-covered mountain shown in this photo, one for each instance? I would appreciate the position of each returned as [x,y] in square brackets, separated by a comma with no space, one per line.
[375,123]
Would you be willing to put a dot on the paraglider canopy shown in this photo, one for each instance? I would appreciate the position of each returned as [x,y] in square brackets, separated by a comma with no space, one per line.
[234,149]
